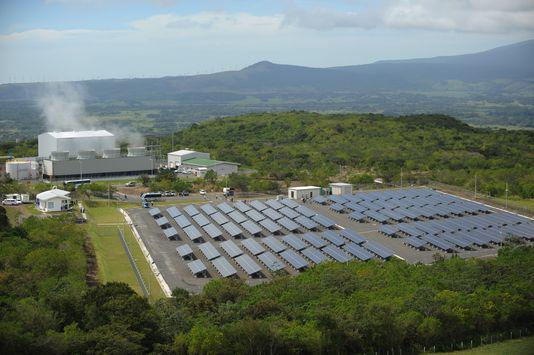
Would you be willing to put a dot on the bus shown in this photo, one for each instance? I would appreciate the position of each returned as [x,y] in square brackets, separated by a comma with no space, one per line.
[151,196]
[76,183]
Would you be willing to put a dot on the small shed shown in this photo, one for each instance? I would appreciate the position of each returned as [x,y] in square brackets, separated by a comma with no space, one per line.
[341,188]
[54,200]
[301,192]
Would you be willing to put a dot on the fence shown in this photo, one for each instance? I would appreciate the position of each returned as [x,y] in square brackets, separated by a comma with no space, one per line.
[134,265]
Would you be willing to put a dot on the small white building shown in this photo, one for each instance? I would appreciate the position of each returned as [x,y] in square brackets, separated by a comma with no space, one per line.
[54,200]
[74,142]
[300,192]
[200,166]
[341,188]
[175,159]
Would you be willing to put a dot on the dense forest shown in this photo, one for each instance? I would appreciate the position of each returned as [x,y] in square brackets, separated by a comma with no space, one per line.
[312,148]
[357,307]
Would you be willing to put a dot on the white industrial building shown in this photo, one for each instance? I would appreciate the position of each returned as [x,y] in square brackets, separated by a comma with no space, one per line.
[54,200]
[22,169]
[301,192]
[175,159]
[340,188]
[75,142]
[89,154]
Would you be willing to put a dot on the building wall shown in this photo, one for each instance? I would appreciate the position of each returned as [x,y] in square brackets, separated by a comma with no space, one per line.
[97,167]
[54,204]
[222,169]
[342,190]
[19,170]
[173,160]
[47,143]
[298,194]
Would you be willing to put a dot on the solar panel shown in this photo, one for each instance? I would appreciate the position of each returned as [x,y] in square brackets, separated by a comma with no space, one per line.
[357,216]
[173,212]
[337,199]
[438,243]
[314,240]
[324,221]
[270,225]
[238,217]
[294,242]
[182,221]
[154,211]
[320,200]
[219,218]
[355,207]
[288,212]
[224,268]
[275,205]
[260,206]
[289,203]
[274,244]
[314,255]
[271,262]
[170,233]
[208,209]
[338,207]
[231,248]
[337,254]
[212,231]
[201,220]
[240,205]
[252,246]
[333,238]
[192,232]
[305,211]
[357,251]
[272,214]
[191,210]
[232,229]
[306,222]
[226,208]
[162,221]
[377,216]
[196,267]
[295,260]
[378,249]
[247,264]
[288,224]
[209,251]
[255,215]
[353,236]
[251,227]
[184,250]
[414,242]
[457,240]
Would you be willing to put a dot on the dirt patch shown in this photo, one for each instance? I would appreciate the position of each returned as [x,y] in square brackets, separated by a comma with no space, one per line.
[91,277]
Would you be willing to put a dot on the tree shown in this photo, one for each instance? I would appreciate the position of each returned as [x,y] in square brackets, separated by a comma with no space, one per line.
[210,176]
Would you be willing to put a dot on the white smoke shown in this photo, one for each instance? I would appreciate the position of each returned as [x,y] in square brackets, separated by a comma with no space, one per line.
[63,109]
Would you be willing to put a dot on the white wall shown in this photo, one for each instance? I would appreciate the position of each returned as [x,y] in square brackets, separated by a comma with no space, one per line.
[298,194]
[173,160]
[48,143]
[53,205]
[341,190]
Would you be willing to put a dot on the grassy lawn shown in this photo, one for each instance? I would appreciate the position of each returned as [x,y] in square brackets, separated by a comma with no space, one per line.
[519,204]
[113,264]
[523,346]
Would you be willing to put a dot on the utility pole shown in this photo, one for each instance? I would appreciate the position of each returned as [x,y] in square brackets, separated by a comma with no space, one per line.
[506,195]
[475,186]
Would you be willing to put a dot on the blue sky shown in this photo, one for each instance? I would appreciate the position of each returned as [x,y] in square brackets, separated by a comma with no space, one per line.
[55,40]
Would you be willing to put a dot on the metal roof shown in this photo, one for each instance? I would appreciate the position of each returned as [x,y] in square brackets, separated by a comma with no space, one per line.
[274,244]
[271,262]
[81,134]
[252,246]
[224,267]
[248,264]
[184,250]
[209,250]
[231,248]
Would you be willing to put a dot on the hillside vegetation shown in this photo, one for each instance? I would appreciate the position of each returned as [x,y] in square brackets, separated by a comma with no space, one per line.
[311,147]
[332,308]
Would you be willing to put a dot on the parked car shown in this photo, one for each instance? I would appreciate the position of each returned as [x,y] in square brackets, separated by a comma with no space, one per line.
[169,193]
[184,193]
[202,192]
[11,202]
[130,184]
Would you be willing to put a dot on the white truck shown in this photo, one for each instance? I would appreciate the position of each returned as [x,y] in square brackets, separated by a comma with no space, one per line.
[23,198]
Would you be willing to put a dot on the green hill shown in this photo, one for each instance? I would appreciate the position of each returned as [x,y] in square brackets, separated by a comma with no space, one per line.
[311,147]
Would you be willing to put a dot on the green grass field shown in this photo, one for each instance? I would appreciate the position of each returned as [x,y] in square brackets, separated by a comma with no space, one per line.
[113,264]
[523,346]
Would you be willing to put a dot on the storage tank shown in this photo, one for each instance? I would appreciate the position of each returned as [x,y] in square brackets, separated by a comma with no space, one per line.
[59,156]
[75,141]
[86,154]
[19,169]
[136,151]
[111,153]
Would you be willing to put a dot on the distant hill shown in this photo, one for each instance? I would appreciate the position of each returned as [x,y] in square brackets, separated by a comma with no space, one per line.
[495,87]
